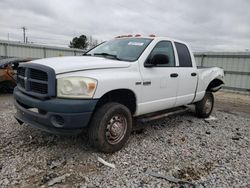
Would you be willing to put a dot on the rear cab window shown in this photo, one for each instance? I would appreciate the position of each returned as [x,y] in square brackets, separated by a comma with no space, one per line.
[183,55]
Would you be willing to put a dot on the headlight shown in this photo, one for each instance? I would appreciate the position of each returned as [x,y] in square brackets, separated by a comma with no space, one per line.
[76,87]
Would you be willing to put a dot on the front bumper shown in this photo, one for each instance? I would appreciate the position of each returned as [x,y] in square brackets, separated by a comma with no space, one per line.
[57,116]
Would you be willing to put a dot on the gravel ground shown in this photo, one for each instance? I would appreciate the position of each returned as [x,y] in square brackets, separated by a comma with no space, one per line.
[207,153]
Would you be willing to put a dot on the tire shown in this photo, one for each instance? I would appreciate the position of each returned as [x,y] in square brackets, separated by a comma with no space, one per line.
[110,127]
[204,107]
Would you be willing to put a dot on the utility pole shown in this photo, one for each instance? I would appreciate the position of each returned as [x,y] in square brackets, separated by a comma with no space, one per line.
[24,30]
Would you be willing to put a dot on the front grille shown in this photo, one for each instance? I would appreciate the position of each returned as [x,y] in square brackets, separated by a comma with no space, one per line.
[36,80]
[21,71]
[38,75]
[38,87]
[21,82]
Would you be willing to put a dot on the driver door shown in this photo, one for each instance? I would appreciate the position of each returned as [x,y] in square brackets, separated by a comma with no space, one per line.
[160,84]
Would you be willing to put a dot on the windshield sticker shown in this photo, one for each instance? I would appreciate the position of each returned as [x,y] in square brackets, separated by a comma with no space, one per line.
[136,43]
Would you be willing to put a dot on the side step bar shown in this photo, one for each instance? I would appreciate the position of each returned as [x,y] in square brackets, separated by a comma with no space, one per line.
[162,114]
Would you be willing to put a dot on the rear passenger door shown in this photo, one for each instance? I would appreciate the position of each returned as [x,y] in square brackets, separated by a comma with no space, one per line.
[187,75]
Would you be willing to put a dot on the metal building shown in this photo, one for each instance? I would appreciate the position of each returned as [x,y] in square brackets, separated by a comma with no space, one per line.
[235,64]
[16,49]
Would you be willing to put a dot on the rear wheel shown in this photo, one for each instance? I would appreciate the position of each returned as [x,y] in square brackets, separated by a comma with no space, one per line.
[204,107]
[110,127]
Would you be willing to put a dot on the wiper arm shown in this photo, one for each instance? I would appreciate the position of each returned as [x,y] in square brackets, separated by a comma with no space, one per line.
[107,54]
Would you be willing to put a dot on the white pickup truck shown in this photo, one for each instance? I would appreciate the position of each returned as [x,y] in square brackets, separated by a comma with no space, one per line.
[110,85]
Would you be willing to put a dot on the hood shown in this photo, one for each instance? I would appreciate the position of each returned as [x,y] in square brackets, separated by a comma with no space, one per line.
[78,63]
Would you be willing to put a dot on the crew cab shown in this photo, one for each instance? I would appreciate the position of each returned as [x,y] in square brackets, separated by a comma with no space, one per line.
[112,84]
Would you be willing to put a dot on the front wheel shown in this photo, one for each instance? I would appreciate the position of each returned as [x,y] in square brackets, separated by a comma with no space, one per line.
[204,107]
[110,127]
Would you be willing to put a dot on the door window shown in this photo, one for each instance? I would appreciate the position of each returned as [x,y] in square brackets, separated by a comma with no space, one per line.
[164,48]
[183,55]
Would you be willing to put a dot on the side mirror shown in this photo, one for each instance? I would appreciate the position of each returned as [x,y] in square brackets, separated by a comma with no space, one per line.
[158,59]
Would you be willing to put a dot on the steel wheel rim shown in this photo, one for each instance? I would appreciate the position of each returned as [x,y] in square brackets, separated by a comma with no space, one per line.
[208,106]
[116,129]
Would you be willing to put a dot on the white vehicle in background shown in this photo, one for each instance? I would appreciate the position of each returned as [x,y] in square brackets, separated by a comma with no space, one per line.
[121,79]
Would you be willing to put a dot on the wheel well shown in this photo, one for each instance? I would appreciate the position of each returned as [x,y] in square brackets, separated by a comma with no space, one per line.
[214,85]
[122,96]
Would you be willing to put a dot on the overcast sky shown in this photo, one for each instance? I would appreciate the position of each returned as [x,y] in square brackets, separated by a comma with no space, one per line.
[213,25]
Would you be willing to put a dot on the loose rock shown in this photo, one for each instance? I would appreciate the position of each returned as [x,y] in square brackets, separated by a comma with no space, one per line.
[176,146]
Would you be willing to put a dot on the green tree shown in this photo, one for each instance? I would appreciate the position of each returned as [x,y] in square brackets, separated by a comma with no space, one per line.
[79,42]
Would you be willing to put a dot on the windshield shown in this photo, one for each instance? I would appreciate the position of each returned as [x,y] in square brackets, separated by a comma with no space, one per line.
[126,49]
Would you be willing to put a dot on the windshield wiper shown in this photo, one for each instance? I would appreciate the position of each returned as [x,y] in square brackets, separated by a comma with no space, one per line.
[106,54]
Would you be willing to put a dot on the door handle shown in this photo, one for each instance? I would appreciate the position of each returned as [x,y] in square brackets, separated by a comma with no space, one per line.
[174,75]
[146,83]
[193,74]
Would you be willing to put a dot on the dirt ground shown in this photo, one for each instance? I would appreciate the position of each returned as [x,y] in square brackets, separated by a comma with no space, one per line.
[231,102]
[205,153]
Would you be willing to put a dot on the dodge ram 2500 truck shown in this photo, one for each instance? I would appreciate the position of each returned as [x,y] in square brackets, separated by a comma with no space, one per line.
[108,86]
